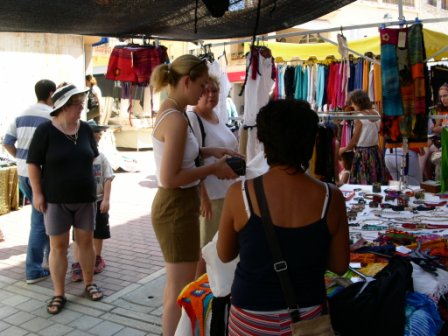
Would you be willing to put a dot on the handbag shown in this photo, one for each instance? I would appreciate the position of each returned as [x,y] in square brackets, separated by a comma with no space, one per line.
[320,326]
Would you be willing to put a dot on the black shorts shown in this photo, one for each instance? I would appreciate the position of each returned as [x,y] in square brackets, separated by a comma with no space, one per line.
[102,229]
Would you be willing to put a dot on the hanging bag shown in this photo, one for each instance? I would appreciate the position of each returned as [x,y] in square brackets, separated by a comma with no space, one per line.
[319,326]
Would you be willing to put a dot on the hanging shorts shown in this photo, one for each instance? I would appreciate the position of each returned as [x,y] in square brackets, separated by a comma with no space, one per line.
[175,218]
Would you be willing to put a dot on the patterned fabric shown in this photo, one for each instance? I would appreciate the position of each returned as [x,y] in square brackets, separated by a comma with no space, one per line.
[392,105]
[196,299]
[368,166]
[404,82]
[422,317]
[245,323]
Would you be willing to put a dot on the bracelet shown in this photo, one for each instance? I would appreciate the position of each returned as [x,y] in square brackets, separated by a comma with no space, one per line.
[373,221]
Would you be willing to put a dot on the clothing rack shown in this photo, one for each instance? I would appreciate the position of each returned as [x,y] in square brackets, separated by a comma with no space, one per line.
[351,50]
[347,116]
[438,116]
[333,29]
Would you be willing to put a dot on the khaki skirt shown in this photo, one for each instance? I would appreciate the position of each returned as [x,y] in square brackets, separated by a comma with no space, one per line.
[175,218]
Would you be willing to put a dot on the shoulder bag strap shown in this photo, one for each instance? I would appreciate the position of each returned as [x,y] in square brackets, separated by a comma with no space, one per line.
[280,265]
[201,127]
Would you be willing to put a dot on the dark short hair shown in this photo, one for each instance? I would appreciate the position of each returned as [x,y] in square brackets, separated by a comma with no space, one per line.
[288,129]
[360,98]
[44,89]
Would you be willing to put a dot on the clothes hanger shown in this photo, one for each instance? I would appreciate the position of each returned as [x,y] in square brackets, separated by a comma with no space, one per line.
[224,54]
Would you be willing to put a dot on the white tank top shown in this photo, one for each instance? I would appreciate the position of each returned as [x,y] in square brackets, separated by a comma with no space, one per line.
[191,150]
[369,133]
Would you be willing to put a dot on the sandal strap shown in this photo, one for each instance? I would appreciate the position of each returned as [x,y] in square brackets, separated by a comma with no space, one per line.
[57,301]
[93,288]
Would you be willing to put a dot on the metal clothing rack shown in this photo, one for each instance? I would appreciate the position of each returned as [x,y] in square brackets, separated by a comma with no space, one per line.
[353,115]
[333,29]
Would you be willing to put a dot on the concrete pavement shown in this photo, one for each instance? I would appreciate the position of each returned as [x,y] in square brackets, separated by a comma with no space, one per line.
[132,281]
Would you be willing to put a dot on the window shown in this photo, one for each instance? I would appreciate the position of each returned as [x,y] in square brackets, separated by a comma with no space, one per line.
[444,4]
[432,2]
[409,3]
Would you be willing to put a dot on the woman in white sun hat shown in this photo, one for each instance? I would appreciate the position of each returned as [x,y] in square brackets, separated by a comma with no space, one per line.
[60,162]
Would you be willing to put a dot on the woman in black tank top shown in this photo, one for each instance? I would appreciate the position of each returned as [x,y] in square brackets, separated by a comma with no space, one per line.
[309,221]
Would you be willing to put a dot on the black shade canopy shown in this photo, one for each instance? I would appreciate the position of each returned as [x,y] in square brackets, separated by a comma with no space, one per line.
[164,19]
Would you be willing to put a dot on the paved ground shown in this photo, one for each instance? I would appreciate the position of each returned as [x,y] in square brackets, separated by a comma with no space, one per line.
[132,281]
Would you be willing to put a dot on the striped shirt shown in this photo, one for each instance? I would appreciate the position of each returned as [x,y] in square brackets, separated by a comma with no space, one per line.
[21,132]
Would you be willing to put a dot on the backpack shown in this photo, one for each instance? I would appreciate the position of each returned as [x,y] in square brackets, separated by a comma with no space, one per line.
[380,308]
[92,100]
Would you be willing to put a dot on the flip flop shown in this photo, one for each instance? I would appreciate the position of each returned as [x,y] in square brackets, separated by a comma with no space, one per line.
[92,291]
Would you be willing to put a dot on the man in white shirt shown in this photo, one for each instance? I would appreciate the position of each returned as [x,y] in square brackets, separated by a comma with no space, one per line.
[17,141]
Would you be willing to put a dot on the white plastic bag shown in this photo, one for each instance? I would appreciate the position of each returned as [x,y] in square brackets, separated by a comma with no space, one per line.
[220,275]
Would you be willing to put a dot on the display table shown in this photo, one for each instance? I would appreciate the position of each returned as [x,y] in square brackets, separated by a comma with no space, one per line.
[429,223]
[9,189]
[372,221]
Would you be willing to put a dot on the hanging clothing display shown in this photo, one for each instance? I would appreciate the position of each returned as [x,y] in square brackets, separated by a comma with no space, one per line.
[260,81]
[215,69]
[134,63]
[404,85]
[326,85]
[132,66]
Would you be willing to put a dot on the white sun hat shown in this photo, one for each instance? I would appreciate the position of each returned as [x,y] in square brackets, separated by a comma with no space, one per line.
[61,96]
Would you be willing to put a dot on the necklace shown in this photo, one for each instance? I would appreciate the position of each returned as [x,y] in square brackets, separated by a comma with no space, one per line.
[73,138]
[174,101]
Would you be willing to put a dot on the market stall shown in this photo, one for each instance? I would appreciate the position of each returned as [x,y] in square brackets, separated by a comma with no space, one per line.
[411,224]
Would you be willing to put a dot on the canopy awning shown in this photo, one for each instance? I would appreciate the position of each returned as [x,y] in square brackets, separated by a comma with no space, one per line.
[434,42]
[171,20]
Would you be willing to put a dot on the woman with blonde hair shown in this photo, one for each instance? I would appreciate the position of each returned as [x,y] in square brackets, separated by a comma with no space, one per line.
[210,132]
[175,209]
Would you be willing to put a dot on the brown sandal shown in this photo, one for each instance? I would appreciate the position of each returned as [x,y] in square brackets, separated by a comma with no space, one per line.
[93,292]
[56,304]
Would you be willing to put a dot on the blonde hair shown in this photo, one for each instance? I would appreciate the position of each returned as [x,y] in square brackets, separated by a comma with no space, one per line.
[170,74]
[212,79]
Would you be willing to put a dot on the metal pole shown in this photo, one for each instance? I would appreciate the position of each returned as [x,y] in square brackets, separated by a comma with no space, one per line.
[317,31]
[400,10]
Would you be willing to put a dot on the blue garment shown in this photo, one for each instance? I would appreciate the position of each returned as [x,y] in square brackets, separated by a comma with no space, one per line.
[359,75]
[305,83]
[38,242]
[390,81]
[351,80]
[320,86]
[422,316]
[298,78]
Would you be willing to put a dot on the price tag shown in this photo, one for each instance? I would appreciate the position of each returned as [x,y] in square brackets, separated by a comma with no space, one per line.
[402,39]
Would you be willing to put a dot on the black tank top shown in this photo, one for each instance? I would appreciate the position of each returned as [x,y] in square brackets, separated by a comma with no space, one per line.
[256,285]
